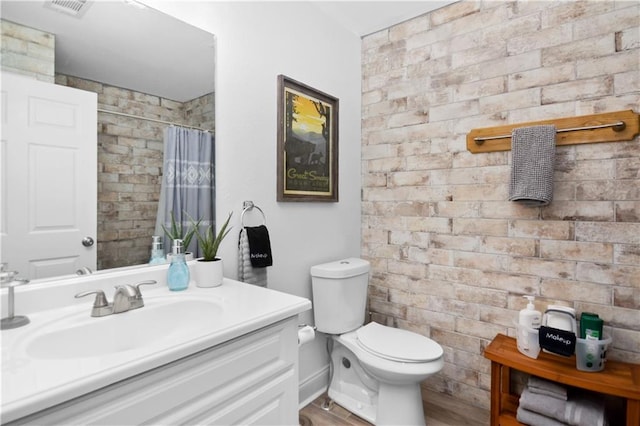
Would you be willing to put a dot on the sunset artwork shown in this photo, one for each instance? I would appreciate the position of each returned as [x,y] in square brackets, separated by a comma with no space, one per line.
[306,117]
[307,145]
[307,140]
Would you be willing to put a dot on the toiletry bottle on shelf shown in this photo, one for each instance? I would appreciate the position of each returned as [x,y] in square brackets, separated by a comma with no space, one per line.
[590,326]
[527,334]
[157,251]
[529,317]
[178,273]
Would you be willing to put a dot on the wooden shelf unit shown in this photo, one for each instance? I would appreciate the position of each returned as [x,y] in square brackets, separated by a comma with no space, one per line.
[617,379]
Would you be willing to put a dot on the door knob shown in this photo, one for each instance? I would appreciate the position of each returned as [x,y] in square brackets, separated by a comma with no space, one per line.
[87,241]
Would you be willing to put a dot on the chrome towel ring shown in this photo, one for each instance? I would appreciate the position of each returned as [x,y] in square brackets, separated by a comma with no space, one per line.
[248,205]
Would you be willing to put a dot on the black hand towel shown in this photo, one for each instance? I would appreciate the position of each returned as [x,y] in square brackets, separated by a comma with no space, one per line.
[259,246]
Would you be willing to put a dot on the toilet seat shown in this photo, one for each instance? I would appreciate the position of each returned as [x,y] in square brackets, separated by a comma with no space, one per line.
[396,344]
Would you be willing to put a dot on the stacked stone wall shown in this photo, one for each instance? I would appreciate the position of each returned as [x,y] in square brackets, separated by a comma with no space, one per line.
[451,257]
[28,51]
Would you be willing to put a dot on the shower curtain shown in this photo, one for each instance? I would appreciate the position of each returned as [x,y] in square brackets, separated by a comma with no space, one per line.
[188,185]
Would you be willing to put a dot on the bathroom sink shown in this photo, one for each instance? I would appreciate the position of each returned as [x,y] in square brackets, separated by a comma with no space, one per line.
[159,322]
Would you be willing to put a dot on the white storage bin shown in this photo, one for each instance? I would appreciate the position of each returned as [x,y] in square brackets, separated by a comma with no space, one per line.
[591,355]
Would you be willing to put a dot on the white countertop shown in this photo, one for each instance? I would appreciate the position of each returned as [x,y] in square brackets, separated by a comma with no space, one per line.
[31,383]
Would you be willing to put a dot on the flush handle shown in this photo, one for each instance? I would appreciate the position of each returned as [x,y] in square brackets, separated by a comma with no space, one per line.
[87,241]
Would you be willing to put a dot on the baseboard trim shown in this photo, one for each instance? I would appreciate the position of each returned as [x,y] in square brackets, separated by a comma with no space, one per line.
[313,386]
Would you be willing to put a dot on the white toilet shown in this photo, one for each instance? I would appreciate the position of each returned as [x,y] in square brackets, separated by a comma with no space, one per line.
[376,370]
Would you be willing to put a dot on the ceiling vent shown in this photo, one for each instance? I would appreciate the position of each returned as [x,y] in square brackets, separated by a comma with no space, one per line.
[75,8]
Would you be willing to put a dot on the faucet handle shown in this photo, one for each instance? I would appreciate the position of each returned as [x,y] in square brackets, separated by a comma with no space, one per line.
[101,306]
[140,284]
[138,302]
[7,277]
[101,299]
[8,280]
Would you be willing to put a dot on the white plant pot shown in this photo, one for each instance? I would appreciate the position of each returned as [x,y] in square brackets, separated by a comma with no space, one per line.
[208,273]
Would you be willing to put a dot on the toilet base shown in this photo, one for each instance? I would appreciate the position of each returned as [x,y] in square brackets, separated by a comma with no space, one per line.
[351,387]
[359,408]
[396,405]
[380,403]
[403,405]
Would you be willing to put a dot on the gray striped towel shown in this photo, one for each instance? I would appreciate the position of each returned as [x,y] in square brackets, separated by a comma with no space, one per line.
[533,156]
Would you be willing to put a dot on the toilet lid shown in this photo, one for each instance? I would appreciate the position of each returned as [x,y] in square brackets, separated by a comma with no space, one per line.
[397,345]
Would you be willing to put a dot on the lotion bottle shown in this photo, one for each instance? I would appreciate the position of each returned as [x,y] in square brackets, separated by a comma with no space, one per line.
[528,323]
[529,317]
[178,273]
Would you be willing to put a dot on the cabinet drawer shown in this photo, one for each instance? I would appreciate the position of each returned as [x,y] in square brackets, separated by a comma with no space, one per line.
[253,378]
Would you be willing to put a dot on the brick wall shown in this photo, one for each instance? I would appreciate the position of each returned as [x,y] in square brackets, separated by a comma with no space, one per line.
[130,156]
[28,51]
[451,257]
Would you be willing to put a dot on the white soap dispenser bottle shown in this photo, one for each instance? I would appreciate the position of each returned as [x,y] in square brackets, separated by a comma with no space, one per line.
[529,317]
[527,334]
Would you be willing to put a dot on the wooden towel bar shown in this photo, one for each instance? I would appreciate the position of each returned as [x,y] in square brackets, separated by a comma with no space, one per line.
[619,126]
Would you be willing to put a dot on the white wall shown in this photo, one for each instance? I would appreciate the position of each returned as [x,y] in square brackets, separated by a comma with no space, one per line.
[256,41]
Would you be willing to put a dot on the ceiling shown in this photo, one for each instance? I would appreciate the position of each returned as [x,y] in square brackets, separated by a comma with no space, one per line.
[366,17]
[110,38]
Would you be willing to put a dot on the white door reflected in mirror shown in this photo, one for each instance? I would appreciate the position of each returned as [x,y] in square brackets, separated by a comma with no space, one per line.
[49,137]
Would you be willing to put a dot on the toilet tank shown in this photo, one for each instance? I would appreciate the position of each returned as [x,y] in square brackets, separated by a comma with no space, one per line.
[340,294]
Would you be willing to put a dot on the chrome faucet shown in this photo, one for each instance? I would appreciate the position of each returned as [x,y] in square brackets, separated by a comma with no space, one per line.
[123,297]
[85,270]
[9,280]
[126,298]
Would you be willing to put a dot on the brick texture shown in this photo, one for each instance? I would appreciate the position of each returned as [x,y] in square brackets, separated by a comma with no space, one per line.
[28,51]
[130,155]
[451,257]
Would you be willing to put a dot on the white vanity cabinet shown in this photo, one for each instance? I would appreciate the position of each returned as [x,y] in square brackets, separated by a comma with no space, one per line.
[251,379]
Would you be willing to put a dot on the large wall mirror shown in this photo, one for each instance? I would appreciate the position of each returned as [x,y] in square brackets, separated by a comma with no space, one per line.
[149,71]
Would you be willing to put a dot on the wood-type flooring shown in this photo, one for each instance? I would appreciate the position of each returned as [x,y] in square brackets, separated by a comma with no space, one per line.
[439,409]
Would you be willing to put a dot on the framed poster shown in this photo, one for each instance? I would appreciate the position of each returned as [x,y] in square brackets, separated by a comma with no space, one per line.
[307,143]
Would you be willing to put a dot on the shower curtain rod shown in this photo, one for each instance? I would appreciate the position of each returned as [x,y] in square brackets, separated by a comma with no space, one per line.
[151,119]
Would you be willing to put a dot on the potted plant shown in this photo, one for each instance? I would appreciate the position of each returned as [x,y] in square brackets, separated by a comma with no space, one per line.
[208,269]
[178,232]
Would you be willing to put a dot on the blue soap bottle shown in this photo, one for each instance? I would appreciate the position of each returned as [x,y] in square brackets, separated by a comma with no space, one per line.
[157,251]
[178,273]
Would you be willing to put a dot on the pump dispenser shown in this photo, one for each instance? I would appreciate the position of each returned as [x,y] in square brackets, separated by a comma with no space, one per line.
[157,251]
[529,317]
[527,330]
[178,273]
